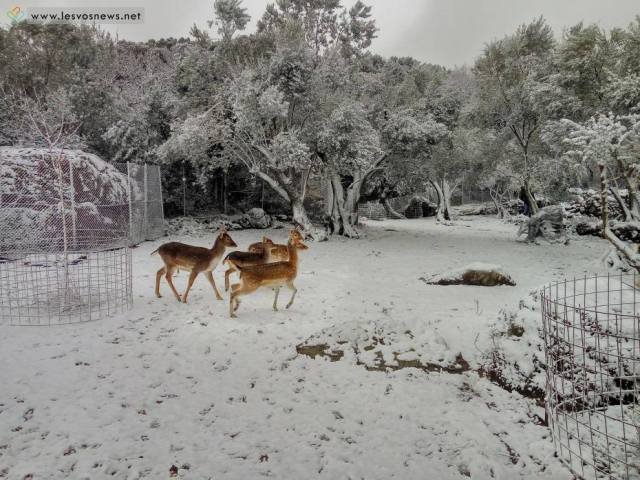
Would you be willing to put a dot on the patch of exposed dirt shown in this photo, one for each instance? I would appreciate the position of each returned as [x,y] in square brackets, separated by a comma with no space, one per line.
[322,350]
[458,367]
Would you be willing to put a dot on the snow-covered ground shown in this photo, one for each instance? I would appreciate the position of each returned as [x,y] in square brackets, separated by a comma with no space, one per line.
[179,385]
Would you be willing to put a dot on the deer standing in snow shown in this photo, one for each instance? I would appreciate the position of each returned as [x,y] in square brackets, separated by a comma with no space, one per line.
[272,275]
[278,252]
[197,260]
[236,260]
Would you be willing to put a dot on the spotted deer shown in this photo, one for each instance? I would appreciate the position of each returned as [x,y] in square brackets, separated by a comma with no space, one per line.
[235,260]
[259,246]
[272,275]
[197,260]
[278,252]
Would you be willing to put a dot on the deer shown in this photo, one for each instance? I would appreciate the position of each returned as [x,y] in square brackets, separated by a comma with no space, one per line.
[242,259]
[197,260]
[278,252]
[273,275]
[259,246]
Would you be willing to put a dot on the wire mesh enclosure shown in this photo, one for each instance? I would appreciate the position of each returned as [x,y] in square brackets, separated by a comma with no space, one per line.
[591,329]
[372,211]
[67,220]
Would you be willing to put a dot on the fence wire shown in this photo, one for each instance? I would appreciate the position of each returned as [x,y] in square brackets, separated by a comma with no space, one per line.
[376,210]
[67,219]
[591,329]
[144,201]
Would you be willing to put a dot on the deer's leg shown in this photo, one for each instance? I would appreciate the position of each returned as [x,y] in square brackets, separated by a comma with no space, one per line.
[213,284]
[192,277]
[238,289]
[235,287]
[226,277]
[168,275]
[159,275]
[234,301]
[295,290]
[275,299]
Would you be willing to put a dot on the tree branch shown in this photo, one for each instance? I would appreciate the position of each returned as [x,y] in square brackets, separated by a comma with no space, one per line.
[273,183]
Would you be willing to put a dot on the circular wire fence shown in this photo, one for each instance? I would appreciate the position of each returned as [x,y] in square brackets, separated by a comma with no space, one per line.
[67,220]
[591,330]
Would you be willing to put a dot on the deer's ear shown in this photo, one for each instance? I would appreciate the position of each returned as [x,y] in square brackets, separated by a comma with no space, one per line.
[223,229]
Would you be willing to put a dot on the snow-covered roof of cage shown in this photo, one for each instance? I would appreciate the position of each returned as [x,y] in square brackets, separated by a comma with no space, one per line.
[61,199]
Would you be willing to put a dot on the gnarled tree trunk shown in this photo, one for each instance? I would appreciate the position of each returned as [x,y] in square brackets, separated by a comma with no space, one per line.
[443,191]
[497,198]
[342,204]
[530,199]
[343,210]
[391,212]
[626,252]
[287,190]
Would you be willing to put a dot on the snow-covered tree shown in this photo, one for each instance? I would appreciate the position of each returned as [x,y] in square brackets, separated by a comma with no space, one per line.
[508,74]
[266,142]
[613,143]
[144,83]
[350,150]
[584,59]
[326,24]
[622,95]
[456,151]
[230,17]
[409,138]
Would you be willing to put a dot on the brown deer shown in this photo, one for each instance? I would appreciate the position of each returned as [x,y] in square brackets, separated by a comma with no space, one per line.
[272,275]
[259,246]
[238,259]
[278,252]
[177,255]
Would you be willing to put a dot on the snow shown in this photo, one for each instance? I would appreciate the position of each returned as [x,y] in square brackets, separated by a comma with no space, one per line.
[172,384]
[96,180]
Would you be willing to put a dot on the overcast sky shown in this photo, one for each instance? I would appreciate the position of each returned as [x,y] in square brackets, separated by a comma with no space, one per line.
[447,32]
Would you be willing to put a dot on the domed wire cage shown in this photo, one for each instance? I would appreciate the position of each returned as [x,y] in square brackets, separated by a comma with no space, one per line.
[591,329]
[67,221]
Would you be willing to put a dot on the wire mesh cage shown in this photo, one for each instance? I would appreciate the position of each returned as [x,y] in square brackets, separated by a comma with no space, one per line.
[67,220]
[591,330]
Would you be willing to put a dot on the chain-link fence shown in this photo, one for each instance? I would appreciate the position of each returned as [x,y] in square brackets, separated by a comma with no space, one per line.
[144,201]
[411,206]
[67,219]
[591,330]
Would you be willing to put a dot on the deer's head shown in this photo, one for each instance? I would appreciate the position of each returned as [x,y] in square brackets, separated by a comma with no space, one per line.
[296,238]
[225,238]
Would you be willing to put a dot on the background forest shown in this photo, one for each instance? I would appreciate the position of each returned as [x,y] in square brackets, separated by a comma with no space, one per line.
[301,118]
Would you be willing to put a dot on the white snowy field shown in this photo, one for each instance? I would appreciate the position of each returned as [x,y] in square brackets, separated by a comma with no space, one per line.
[169,384]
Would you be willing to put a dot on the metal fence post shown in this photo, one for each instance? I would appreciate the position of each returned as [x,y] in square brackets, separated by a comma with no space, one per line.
[146,205]
[72,189]
[161,200]
[129,186]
